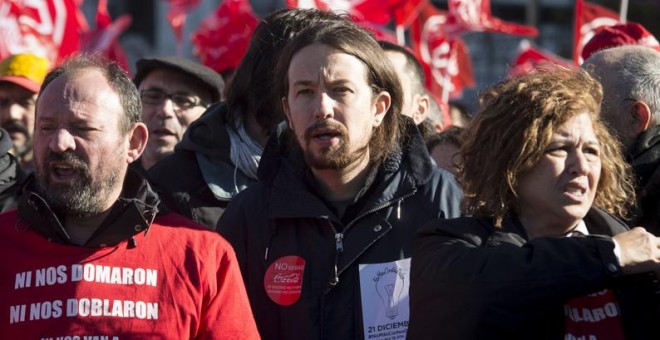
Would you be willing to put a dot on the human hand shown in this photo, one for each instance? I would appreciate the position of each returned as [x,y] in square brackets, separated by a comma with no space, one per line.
[640,251]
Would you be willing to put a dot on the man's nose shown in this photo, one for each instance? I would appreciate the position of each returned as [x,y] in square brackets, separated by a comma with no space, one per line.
[324,107]
[166,109]
[62,141]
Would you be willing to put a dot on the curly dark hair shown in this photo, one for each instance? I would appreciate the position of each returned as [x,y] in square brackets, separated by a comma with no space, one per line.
[511,132]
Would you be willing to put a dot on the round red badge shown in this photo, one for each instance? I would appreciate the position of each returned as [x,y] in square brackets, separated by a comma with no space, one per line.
[283,280]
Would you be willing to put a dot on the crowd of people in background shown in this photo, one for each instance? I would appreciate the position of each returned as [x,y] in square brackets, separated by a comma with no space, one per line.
[320,193]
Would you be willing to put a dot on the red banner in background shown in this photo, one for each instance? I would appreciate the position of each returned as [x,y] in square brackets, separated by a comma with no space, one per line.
[446,58]
[379,12]
[532,58]
[588,18]
[320,4]
[222,39]
[105,38]
[49,28]
[475,16]
[176,16]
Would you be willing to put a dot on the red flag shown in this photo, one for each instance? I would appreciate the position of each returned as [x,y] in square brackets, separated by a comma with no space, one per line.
[446,59]
[320,4]
[382,11]
[588,18]
[475,16]
[378,12]
[407,12]
[49,28]
[355,10]
[223,38]
[104,39]
[532,59]
[177,16]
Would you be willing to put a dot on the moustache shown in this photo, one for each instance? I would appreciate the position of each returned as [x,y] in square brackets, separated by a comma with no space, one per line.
[328,127]
[16,126]
[69,158]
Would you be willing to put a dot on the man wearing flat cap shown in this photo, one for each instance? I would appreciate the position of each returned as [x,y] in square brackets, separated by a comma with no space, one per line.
[175,91]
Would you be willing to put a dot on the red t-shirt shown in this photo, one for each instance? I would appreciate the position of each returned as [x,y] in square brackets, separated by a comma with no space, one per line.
[594,316]
[180,281]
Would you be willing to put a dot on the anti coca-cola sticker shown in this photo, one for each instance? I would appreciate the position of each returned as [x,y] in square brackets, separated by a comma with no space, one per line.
[283,280]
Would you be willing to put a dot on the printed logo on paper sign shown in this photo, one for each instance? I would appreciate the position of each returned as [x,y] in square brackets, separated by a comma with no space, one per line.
[283,280]
[384,295]
[389,286]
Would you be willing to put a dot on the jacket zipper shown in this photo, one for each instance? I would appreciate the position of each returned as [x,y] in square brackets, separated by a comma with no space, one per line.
[339,248]
[339,237]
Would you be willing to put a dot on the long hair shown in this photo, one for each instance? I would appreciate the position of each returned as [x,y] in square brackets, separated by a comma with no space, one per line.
[513,129]
[251,90]
[346,37]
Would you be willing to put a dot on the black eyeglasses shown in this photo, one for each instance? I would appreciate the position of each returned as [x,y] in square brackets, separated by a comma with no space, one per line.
[180,101]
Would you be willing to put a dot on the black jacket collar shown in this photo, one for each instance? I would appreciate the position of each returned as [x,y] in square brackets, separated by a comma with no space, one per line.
[282,167]
[645,154]
[131,214]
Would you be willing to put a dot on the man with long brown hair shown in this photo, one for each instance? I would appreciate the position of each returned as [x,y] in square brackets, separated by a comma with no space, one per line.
[324,237]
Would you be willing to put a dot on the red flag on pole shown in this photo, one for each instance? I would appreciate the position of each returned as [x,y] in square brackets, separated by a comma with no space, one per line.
[104,39]
[446,59]
[176,16]
[223,38]
[532,59]
[320,4]
[378,12]
[588,18]
[475,16]
[407,12]
[48,28]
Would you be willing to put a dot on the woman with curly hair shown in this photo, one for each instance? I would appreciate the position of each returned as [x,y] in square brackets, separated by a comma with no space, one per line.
[543,254]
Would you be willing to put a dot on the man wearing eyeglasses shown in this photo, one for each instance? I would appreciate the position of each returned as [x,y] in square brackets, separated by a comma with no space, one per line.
[175,91]
[21,76]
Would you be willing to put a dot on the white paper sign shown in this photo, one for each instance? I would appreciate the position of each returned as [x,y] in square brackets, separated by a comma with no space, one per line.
[384,290]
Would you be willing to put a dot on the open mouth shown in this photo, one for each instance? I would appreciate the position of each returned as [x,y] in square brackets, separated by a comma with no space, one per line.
[163,132]
[63,171]
[326,135]
[575,190]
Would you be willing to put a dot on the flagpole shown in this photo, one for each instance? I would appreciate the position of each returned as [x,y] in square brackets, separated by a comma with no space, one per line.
[400,35]
[623,11]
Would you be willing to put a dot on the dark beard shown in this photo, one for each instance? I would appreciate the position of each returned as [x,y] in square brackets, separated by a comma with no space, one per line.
[80,199]
[335,157]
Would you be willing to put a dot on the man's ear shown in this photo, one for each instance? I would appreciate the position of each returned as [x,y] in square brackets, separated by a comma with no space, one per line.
[381,105]
[287,111]
[137,141]
[422,104]
[641,117]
